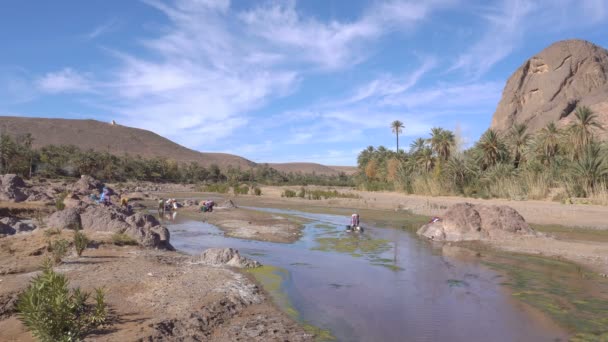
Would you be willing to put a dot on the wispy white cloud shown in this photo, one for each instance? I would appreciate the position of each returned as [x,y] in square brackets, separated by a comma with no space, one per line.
[66,80]
[510,23]
[333,44]
[102,29]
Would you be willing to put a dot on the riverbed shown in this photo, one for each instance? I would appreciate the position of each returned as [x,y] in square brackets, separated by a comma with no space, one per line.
[380,285]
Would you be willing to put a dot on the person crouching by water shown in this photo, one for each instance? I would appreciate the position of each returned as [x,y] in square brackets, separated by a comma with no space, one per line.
[354,223]
[207,206]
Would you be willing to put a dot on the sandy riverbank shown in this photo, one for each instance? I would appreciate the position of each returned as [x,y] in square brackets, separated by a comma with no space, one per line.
[152,295]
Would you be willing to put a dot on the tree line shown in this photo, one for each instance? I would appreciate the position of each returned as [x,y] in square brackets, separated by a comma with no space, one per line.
[555,163]
[17,156]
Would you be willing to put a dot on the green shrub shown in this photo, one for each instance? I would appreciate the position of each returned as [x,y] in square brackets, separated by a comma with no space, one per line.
[122,239]
[288,193]
[59,249]
[52,231]
[59,201]
[53,312]
[257,191]
[80,242]
[221,188]
[241,190]
[302,192]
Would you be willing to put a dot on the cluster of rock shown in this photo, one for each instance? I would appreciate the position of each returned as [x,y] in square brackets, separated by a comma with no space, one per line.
[224,256]
[466,221]
[143,228]
[13,225]
[14,189]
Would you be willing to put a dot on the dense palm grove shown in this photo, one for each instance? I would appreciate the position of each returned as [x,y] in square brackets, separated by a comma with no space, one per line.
[553,163]
[18,156]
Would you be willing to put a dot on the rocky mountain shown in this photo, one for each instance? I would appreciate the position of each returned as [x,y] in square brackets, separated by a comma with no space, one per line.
[552,84]
[120,140]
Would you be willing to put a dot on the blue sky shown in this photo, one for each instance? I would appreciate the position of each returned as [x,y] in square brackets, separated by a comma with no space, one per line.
[279,81]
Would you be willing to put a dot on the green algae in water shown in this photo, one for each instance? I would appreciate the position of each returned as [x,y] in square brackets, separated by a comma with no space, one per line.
[568,293]
[391,267]
[457,283]
[324,226]
[352,245]
[271,278]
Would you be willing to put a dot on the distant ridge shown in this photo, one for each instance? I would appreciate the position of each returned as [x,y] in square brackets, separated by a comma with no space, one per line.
[121,140]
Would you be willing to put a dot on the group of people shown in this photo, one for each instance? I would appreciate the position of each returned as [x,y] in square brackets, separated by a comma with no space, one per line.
[106,198]
[168,205]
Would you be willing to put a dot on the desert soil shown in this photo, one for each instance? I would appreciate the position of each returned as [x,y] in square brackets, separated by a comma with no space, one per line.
[152,295]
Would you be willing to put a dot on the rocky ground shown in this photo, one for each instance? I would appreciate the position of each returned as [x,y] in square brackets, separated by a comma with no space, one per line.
[153,293]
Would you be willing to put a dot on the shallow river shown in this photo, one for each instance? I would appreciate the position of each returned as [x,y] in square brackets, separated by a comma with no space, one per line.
[380,285]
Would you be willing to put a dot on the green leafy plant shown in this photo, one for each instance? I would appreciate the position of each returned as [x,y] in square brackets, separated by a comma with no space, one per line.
[52,231]
[288,193]
[53,312]
[59,201]
[59,249]
[122,239]
[257,191]
[80,242]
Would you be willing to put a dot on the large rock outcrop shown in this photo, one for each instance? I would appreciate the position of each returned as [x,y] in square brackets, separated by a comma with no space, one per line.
[551,85]
[143,228]
[466,221]
[224,256]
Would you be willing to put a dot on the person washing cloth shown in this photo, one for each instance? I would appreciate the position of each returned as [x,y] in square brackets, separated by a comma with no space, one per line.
[354,223]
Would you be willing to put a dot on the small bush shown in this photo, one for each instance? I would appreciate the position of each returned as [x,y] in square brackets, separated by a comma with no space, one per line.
[59,249]
[53,312]
[221,188]
[59,201]
[80,242]
[257,191]
[241,190]
[288,193]
[302,192]
[122,239]
[52,231]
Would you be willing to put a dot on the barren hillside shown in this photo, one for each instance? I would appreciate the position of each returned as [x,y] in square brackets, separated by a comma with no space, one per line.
[120,140]
[116,139]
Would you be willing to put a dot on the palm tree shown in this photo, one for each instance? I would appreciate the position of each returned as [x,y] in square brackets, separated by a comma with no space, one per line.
[417,145]
[492,149]
[425,159]
[591,167]
[442,141]
[518,140]
[397,127]
[548,142]
[581,129]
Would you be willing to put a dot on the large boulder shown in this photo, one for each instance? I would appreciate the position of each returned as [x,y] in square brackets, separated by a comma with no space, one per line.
[466,221]
[102,218]
[552,84]
[68,218]
[224,256]
[142,220]
[12,188]
[86,185]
